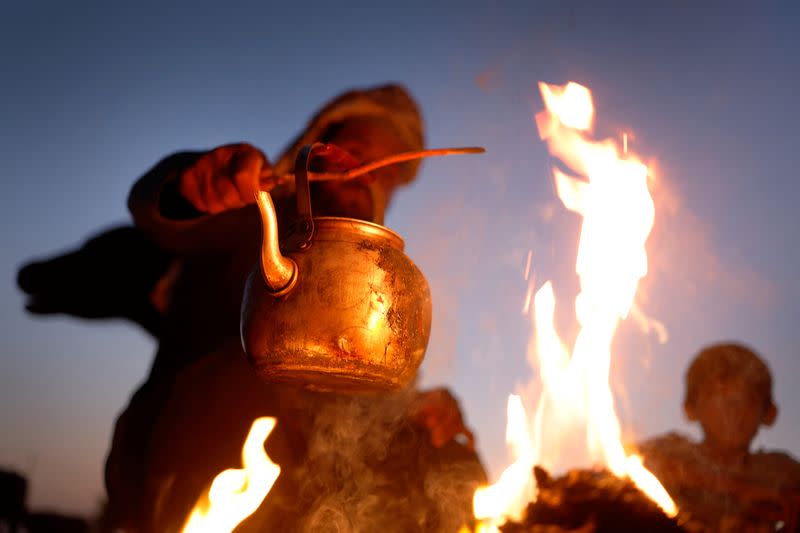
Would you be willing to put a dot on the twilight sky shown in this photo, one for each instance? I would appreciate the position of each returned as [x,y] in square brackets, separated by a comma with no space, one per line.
[91,96]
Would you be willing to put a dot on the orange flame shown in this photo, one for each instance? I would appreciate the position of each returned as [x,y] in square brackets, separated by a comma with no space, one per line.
[575,404]
[235,494]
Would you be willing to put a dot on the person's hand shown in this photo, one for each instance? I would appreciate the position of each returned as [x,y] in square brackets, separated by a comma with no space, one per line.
[438,411]
[225,178]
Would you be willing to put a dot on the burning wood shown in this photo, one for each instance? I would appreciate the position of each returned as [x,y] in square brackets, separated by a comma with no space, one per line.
[590,501]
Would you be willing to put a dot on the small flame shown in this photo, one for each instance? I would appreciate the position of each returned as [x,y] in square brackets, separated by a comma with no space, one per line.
[235,494]
[576,405]
[514,483]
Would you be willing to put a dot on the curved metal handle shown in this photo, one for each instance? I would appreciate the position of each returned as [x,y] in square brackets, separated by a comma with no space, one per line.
[303,229]
[272,181]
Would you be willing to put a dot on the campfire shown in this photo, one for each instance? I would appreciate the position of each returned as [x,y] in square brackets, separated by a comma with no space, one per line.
[588,501]
[575,423]
[574,428]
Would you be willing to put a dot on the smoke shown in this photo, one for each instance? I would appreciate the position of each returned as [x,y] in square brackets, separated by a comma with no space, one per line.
[369,468]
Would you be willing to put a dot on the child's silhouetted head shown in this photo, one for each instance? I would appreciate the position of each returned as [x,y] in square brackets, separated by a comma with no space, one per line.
[729,392]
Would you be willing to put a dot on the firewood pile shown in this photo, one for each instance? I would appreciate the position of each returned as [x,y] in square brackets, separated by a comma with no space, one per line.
[589,501]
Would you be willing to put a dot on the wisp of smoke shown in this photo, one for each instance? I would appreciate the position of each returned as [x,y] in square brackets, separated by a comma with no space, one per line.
[369,468]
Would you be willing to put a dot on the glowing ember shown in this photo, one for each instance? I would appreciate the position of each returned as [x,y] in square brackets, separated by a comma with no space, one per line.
[575,422]
[235,494]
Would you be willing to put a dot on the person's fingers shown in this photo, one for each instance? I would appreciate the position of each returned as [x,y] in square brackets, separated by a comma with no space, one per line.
[224,178]
[227,194]
[219,159]
[213,169]
[213,202]
[189,187]
[247,173]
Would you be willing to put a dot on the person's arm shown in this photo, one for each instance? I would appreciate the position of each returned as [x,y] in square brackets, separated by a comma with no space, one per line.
[191,201]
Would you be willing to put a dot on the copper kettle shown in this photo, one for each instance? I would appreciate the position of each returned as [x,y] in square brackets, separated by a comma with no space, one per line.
[335,305]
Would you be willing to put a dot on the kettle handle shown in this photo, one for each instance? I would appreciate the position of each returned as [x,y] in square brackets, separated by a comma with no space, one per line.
[303,228]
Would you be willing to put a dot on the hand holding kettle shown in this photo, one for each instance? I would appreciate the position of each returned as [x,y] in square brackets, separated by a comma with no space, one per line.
[224,178]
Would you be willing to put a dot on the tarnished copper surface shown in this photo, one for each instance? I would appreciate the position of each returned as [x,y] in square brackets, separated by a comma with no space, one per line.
[357,319]
[335,305]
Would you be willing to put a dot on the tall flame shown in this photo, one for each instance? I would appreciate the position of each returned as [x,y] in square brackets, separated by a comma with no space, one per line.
[575,423]
[235,494]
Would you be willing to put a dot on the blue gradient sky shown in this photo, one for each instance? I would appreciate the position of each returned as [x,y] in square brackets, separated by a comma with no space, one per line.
[92,96]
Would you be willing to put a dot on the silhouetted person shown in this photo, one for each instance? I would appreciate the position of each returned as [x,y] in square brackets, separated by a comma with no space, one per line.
[189,419]
[719,481]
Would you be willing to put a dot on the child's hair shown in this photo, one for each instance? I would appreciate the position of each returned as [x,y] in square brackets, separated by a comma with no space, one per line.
[722,362]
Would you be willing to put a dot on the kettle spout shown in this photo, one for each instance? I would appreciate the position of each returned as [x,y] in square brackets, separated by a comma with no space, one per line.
[279,272]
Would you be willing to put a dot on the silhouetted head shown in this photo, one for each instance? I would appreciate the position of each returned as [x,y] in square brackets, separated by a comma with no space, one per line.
[729,392]
[368,123]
